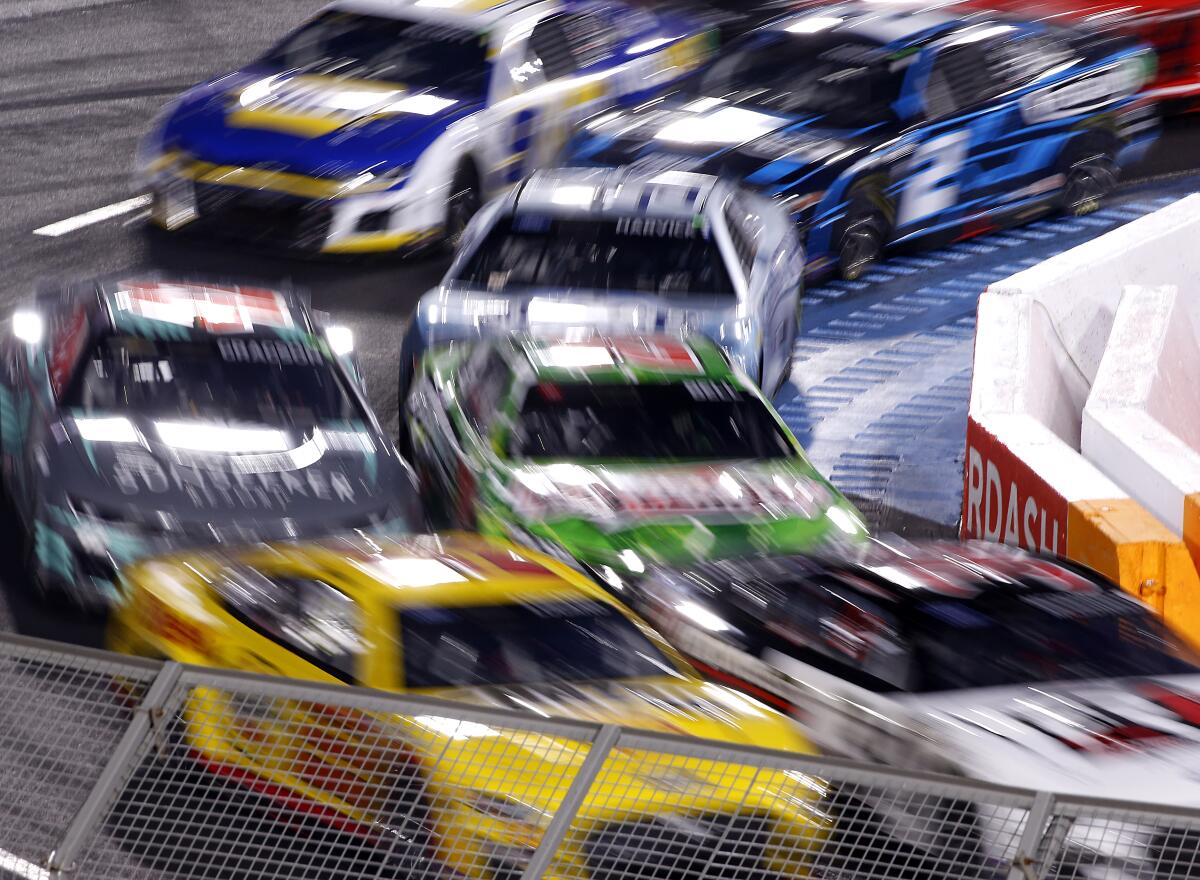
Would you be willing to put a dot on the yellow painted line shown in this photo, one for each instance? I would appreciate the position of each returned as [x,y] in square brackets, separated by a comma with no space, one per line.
[371,242]
[1122,540]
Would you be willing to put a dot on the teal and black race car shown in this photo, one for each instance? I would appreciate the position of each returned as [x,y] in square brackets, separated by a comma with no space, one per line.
[140,415]
[615,452]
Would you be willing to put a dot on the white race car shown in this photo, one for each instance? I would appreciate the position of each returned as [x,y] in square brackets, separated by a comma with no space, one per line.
[970,659]
[578,250]
[383,124]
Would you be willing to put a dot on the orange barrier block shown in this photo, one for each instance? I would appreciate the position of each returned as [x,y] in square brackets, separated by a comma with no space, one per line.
[1191,526]
[1120,539]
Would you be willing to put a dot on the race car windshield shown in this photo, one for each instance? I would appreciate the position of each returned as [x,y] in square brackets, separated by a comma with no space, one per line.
[662,257]
[701,420]
[417,54]
[847,84]
[267,381]
[1053,636]
[528,643]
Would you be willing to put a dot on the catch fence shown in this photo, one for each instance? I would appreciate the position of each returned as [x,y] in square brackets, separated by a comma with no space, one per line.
[112,767]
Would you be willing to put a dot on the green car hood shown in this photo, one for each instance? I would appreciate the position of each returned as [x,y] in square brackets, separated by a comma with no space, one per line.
[602,513]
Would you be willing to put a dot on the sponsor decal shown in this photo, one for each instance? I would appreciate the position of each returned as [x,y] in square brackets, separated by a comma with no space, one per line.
[136,472]
[216,309]
[650,227]
[1005,500]
[69,334]
[665,354]
[275,352]
[1083,94]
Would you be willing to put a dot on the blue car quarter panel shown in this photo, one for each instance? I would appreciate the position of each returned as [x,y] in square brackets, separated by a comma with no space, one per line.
[876,128]
[358,129]
[181,414]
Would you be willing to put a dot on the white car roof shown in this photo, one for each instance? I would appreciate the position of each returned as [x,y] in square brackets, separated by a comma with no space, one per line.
[614,192]
[481,14]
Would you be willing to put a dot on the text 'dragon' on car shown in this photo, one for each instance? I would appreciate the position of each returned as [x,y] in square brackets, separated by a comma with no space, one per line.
[477,621]
[878,126]
[615,452]
[972,659]
[141,414]
[608,250]
[381,125]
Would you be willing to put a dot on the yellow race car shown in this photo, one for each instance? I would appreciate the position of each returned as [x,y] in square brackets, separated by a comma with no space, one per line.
[475,620]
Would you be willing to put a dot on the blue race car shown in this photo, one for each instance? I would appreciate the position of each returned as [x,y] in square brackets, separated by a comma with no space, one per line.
[382,125]
[139,415]
[877,127]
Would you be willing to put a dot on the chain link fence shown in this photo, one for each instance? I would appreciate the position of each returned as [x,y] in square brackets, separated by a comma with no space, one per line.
[112,767]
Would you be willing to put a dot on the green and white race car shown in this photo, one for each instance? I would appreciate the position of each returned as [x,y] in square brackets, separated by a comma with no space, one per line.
[615,453]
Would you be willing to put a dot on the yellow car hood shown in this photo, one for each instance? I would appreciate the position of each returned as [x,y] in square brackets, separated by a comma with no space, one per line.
[666,705]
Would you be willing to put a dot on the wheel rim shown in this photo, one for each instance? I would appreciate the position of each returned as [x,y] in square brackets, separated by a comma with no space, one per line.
[860,248]
[1088,183]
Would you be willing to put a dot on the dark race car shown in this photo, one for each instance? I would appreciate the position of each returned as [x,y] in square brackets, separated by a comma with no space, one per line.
[142,415]
[974,659]
[877,127]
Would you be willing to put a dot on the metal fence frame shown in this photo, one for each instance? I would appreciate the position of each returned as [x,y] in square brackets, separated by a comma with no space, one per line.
[1048,817]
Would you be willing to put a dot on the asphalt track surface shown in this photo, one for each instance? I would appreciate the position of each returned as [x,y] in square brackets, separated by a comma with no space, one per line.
[81,80]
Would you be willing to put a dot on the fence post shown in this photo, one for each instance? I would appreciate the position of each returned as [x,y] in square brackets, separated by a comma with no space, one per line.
[560,823]
[1030,850]
[99,798]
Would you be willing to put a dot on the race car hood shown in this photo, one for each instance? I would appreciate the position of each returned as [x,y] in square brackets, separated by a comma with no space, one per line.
[280,483]
[1128,739]
[452,312]
[666,705]
[300,123]
[714,136]
[675,513]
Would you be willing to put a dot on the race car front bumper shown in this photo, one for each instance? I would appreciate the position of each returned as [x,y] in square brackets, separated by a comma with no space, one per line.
[292,211]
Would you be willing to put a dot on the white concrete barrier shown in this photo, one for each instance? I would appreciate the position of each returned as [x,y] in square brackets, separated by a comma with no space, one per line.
[1048,469]
[1141,423]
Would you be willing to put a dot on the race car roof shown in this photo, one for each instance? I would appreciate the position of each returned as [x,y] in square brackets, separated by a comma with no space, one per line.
[895,26]
[625,359]
[473,13]
[145,305]
[614,192]
[903,574]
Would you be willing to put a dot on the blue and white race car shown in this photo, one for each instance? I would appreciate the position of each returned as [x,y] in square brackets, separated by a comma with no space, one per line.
[877,126]
[383,124]
[575,251]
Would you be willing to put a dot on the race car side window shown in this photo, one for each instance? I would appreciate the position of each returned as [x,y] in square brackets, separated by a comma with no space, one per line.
[486,391]
[744,227]
[960,79]
[590,36]
[844,632]
[549,50]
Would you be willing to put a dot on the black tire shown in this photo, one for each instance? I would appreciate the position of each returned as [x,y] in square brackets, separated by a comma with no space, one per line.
[1091,175]
[864,233]
[464,203]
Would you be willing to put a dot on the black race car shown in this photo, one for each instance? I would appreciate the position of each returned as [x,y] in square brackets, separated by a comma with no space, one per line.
[140,414]
[876,126]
